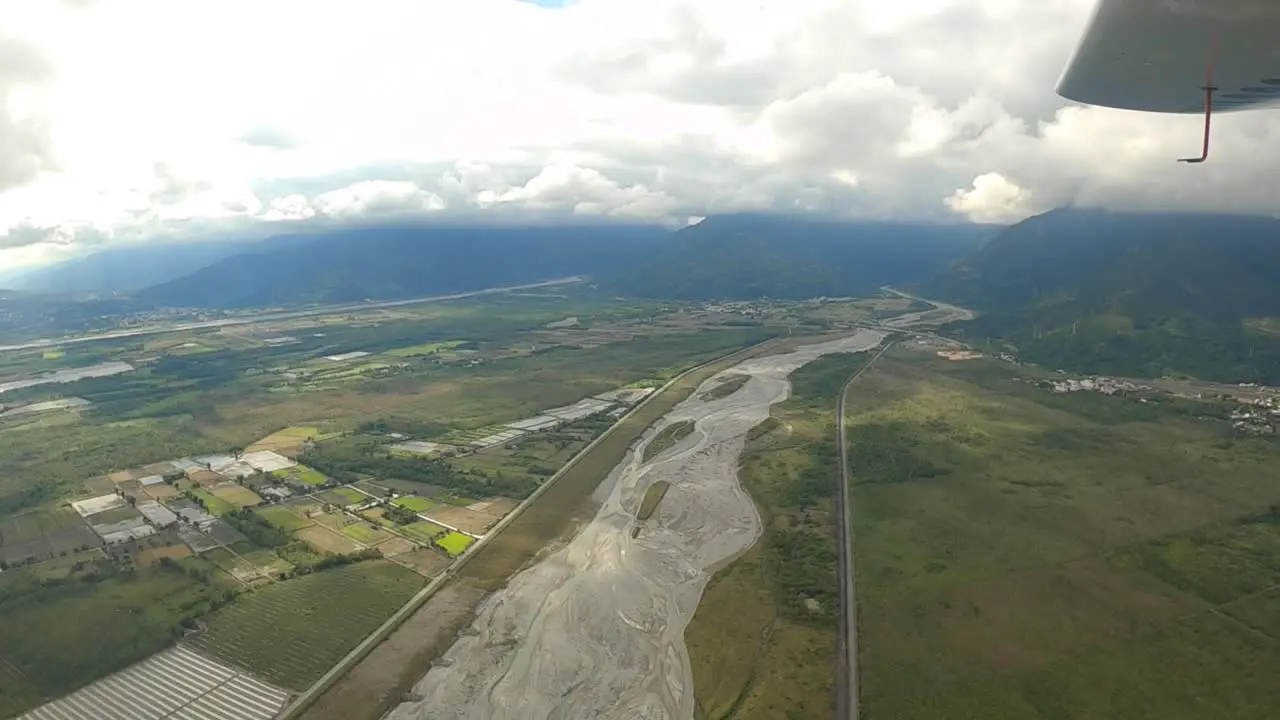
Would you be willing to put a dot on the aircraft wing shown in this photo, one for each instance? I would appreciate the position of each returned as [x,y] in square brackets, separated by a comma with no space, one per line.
[1159,55]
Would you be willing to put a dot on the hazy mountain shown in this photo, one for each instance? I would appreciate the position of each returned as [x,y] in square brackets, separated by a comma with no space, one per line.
[399,262]
[1129,292]
[127,268]
[749,256]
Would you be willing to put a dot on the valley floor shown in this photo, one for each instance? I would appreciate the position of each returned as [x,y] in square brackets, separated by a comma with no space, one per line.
[1028,555]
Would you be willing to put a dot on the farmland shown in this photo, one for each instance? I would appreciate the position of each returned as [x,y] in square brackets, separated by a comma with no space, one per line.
[197,401]
[284,519]
[1022,554]
[291,633]
[128,615]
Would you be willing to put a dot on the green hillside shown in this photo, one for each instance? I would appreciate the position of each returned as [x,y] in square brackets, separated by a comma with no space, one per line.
[1129,293]
[737,257]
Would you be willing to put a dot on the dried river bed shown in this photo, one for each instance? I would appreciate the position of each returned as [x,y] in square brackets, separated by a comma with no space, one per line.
[596,630]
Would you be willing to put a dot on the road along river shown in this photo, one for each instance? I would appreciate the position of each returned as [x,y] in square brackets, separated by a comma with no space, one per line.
[596,630]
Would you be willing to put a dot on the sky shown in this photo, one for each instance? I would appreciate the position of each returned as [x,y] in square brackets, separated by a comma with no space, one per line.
[136,120]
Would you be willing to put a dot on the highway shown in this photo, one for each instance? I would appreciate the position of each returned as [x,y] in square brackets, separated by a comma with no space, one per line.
[847,662]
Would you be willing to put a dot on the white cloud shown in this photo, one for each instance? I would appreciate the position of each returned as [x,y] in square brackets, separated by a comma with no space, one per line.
[127,119]
[992,199]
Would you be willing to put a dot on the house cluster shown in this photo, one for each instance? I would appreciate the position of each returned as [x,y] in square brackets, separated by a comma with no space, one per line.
[1103,385]
[1258,416]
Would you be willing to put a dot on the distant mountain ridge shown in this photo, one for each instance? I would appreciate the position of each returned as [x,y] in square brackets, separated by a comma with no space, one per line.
[1140,293]
[385,263]
[724,257]
[128,268]
[748,256]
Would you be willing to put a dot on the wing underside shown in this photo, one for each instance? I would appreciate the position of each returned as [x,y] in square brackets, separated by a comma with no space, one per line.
[1159,55]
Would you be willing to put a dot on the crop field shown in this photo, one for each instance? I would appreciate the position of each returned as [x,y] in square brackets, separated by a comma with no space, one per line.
[364,534]
[290,438]
[426,561]
[214,504]
[283,518]
[476,523]
[292,632]
[414,504]
[325,540]
[33,525]
[237,495]
[455,543]
[342,496]
[300,473]
[423,531]
[1022,554]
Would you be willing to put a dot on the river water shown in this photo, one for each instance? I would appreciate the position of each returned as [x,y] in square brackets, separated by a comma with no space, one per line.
[596,630]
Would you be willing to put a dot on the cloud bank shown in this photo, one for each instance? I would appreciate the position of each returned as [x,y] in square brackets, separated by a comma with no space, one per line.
[125,120]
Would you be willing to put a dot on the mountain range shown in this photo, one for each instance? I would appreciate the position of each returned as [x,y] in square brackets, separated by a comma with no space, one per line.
[722,257]
[124,269]
[1146,294]
[749,256]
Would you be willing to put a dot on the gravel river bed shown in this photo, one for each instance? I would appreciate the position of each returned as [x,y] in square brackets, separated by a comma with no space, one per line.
[596,630]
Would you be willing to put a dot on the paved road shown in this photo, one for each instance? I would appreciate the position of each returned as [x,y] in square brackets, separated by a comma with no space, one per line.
[847,663]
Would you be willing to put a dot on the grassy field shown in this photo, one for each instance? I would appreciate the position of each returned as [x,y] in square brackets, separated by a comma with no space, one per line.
[762,643]
[1022,554]
[455,543]
[423,531]
[414,504]
[214,504]
[303,474]
[292,632]
[667,438]
[325,540]
[362,533]
[239,496]
[284,519]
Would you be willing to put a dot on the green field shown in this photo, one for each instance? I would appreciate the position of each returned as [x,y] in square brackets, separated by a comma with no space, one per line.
[292,632]
[214,504]
[1023,554]
[652,499]
[455,543]
[283,518]
[33,524]
[303,474]
[413,503]
[352,496]
[364,534]
[238,496]
[423,531]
